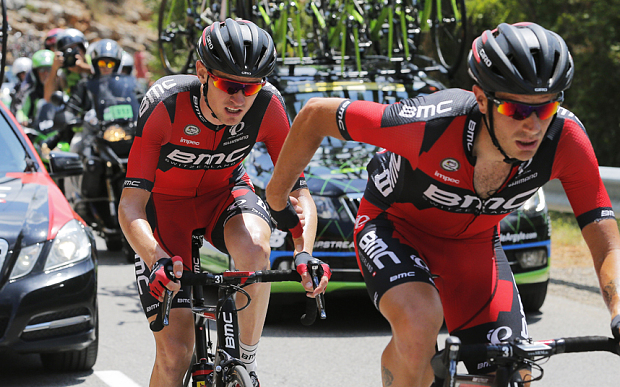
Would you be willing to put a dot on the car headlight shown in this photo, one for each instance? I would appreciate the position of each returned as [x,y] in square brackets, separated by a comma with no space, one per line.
[26,260]
[325,208]
[70,245]
[531,258]
[115,133]
[536,203]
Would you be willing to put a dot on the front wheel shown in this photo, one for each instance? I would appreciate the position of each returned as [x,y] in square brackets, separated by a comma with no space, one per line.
[238,377]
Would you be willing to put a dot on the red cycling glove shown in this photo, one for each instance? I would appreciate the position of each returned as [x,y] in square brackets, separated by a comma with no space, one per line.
[159,277]
[301,264]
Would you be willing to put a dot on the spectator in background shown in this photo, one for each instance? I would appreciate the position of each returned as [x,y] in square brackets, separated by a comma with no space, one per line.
[70,63]
[41,69]
[51,38]
[21,68]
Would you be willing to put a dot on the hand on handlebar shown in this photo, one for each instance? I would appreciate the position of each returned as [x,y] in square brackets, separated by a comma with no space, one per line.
[160,278]
[317,286]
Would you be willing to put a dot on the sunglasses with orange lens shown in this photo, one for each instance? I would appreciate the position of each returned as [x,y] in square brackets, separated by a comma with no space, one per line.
[232,87]
[106,63]
[520,111]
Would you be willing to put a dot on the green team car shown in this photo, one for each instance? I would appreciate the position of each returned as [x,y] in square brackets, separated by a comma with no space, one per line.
[337,176]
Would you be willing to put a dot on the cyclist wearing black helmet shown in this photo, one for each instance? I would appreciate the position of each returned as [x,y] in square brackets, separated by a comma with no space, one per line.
[455,163]
[185,172]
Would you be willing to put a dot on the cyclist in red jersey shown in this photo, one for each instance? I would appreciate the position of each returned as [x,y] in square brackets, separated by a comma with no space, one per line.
[185,174]
[455,163]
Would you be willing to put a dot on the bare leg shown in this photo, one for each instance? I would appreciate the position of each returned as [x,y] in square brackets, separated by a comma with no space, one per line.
[247,241]
[175,345]
[415,315]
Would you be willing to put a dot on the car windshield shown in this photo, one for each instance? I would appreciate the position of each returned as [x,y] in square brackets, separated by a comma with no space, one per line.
[13,156]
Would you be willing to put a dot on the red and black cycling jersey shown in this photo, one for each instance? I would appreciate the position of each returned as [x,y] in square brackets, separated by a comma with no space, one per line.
[178,152]
[425,175]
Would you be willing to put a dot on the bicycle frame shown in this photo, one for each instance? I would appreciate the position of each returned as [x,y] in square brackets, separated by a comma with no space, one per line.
[218,368]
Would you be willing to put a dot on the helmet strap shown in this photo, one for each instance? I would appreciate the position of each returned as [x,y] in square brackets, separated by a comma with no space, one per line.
[489,124]
[205,90]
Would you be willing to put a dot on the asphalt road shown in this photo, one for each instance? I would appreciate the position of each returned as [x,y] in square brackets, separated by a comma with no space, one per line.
[343,350]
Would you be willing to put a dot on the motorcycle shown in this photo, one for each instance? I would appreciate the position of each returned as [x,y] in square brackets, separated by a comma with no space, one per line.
[104,143]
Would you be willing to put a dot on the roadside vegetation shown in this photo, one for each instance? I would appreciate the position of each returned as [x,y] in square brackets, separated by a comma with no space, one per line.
[568,249]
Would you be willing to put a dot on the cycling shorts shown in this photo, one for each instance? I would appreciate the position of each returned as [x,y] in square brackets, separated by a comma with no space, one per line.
[476,286]
[173,219]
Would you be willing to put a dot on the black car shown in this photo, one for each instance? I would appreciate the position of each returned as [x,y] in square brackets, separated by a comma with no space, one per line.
[337,178]
[48,260]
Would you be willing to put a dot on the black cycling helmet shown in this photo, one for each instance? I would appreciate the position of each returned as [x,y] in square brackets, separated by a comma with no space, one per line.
[106,49]
[237,48]
[522,58]
[70,37]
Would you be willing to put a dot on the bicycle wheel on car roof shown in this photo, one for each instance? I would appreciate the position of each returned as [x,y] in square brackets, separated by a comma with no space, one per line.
[449,31]
[179,26]
[239,377]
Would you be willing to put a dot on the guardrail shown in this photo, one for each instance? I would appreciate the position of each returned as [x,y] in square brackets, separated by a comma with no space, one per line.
[557,200]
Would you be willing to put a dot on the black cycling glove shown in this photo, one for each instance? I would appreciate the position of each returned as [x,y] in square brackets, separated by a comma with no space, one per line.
[287,220]
[615,327]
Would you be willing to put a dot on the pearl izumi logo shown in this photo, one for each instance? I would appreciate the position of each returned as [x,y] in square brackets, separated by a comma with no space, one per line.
[237,129]
[450,165]
[191,130]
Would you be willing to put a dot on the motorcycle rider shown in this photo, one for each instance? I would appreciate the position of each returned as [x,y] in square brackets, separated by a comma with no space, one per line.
[31,95]
[21,67]
[106,57]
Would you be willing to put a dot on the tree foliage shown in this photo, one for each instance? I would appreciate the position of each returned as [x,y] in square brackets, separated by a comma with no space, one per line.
[591,30]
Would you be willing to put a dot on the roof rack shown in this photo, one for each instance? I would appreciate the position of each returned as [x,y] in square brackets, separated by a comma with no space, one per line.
[347,69]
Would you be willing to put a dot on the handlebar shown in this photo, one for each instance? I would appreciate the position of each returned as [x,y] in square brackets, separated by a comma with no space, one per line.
[243,278]
[445,361]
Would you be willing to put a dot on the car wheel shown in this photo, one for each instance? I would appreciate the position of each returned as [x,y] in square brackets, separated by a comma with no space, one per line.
[114,242]
[128,252]
[71,361]
[533,295]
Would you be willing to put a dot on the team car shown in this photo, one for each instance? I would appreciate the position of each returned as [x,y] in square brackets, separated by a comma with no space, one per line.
[48,259]
[337,177]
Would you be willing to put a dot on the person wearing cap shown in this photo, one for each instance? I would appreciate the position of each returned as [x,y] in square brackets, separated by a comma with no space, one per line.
[186,165]
[454,164]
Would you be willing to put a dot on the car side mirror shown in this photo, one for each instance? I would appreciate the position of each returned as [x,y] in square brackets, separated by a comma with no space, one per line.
[63,164]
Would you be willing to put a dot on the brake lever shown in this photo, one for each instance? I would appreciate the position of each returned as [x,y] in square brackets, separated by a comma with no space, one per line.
[312,307]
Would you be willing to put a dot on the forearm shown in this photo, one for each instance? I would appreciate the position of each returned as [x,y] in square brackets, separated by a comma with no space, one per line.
[603,240]
[609,279]
[139,234]
[310,218]
[51,85]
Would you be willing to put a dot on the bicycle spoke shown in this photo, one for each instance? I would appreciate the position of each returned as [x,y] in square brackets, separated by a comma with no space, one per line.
[449,33]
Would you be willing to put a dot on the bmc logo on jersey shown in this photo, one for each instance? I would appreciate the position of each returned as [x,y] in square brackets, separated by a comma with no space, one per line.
[155,93]
[200,159]
[424,111]
[340,115]
[453,202]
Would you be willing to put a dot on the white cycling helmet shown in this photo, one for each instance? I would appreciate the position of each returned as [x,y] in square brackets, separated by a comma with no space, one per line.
[22,65]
